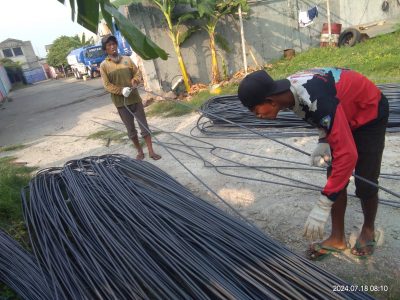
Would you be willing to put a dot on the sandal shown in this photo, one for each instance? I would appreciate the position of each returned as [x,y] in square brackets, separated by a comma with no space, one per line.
[140,156]
[155,156]
[318,251]
[362,250]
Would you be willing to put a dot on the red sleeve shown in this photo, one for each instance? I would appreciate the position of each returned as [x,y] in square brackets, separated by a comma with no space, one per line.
[344,154]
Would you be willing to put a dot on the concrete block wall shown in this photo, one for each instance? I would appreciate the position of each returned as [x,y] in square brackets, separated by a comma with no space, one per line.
[271,28]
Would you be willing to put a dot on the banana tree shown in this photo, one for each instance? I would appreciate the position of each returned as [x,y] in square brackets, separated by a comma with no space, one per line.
[177,32]
[212,17]
[87,15]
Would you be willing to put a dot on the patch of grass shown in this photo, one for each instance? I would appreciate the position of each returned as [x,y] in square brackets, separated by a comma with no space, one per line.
[12,178]
[112,134]
[6,293]
[377,58]
[173,109]
[18,86]
[12,147]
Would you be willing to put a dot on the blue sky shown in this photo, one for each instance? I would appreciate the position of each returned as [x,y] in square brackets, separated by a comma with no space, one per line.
[38,21]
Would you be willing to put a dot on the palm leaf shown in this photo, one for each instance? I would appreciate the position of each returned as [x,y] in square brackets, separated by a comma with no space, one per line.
[183,36]
[88,14]
[88,17]
[140,43]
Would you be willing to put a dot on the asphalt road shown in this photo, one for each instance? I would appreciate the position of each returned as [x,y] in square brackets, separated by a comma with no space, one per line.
[46,107]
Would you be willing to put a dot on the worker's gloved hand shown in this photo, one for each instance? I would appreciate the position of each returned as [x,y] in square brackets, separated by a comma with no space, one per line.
[321,157]
[317,218]
[126,91]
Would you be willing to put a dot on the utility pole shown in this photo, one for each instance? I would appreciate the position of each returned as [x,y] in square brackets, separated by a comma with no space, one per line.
[242,40]
[328,12]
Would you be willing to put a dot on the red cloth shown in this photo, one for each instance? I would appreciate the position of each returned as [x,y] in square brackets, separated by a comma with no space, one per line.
[359,99]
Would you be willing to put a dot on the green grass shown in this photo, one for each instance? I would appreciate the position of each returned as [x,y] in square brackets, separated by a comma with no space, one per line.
[377,58]
[112,134]
[18,86]
[12,148]
[12,178]
[173,109]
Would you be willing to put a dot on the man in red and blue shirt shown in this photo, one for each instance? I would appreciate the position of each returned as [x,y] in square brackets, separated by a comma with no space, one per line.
[351,114]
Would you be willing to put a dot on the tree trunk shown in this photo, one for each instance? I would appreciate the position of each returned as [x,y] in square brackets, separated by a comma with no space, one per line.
[182,66]
[177,49]
[215,77]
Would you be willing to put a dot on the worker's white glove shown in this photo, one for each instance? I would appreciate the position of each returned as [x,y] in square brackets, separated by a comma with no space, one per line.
[321,157]
[126,91]
[317,218]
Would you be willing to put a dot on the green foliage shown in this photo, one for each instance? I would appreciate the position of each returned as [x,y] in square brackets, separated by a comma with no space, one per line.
[13,69]
[377,58]
[6,293]
[85,42]
[185,34]
[10,64]
[140,43]
[60,49]
[118,3]
[174,108]
[87,12]
[12,147]
[222,43]
[12,178]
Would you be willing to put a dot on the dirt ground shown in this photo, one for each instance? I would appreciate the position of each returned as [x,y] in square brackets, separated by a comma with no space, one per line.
[277,210]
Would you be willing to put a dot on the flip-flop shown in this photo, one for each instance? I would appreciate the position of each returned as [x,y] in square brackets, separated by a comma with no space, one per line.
[315,254]
[155,156]
[361,248]
[140,156]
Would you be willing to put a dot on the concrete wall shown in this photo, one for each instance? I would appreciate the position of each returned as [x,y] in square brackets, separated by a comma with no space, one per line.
[366,11]
[5,84]
[271,28]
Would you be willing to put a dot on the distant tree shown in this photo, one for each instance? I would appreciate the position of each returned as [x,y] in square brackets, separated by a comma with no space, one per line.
[60,48]
[84,41]
[13,69]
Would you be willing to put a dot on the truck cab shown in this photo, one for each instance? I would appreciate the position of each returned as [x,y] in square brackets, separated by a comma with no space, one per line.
[86,60]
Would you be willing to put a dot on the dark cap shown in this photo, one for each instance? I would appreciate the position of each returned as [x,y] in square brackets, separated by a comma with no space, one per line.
[106,39]
[256,86]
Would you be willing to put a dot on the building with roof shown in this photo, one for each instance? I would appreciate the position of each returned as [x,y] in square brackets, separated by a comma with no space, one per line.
[19,51]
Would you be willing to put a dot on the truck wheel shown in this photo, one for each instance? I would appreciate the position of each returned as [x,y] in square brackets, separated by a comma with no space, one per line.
[90,73]
[349,37]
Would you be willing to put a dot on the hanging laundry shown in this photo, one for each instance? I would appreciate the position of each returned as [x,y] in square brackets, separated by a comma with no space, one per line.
[313,12]
[306,17]
[304,20]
